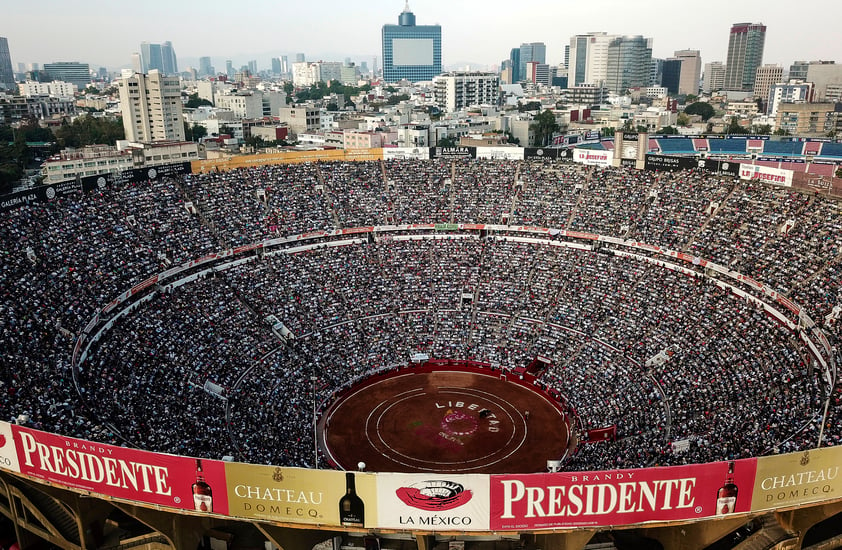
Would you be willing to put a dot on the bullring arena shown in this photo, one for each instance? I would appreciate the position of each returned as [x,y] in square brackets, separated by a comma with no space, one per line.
[456,325]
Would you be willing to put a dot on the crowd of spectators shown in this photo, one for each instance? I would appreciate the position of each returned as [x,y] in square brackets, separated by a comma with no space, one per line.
[201,370]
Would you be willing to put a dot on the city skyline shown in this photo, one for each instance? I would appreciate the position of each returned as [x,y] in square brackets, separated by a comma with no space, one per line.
[472,34]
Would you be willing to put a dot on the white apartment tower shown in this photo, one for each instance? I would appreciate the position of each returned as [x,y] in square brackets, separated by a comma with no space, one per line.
[458,90]
[151,105]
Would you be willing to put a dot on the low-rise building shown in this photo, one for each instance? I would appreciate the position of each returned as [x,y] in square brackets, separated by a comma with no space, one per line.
[809,119]
[56,88]
[300,119]
[105,159]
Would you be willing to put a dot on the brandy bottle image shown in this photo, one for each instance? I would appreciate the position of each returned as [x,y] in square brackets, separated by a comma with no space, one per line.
[351,507]
[726,496]
[202,492]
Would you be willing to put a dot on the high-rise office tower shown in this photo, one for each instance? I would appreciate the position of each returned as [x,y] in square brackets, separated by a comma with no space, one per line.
[7,74]
[70,71]
[253,67]
[629,63]
[656,72]
[205,67]
[766,77]
[151,106]
[714,79]
[150,57]
[671,75]
[588,62]
[284,65]
[299,58]
[159,57]
[168,56]
[137,62]
[533,51]
[691,71]
[229,68]
[798,70]
[514,65]
[410,51]
[276,65]
[745,55]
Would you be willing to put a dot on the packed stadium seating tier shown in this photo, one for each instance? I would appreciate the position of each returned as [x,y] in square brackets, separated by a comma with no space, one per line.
[66,259]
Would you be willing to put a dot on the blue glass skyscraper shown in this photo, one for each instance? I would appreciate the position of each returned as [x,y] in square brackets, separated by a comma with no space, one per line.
[410,51]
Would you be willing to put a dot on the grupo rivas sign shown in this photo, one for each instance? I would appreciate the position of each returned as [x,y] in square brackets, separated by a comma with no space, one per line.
[579,499]
[433,502]
[129,474]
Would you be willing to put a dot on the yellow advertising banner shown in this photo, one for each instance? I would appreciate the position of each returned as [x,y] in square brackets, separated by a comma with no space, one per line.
[287,157]
[797,478]
[296,495]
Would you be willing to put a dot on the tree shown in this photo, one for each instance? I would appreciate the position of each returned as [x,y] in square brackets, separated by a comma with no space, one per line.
[332,106]
[691,98]
[195,101]
[195,132]
[395,99]
[198,131]
[544,126]
[449,141]
[781,132]
[668,131]
[255,141]
[735,128]
[87,130]
[606,131]
[93,90]
[683,119]
[762,129]
[705,110]
[529,106]
[30,130]
[839,172]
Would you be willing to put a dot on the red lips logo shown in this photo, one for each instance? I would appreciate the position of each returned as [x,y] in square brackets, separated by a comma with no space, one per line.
[2,440]
[434,495]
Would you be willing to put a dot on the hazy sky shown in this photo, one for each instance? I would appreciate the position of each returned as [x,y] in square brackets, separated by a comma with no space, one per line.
[106,32]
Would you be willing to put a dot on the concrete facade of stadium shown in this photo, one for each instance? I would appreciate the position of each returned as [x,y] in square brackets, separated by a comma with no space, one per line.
[42,508]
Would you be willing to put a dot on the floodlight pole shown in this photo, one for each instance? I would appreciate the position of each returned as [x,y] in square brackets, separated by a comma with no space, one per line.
[315,430]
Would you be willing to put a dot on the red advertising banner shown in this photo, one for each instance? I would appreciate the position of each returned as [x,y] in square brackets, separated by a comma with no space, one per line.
[579,499]
[130,474]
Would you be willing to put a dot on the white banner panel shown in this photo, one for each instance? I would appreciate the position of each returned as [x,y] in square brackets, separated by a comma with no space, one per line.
[592,157]
[8,453]
[433,502]
[500,153]
[415,153]
[774,176]
[412,52]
